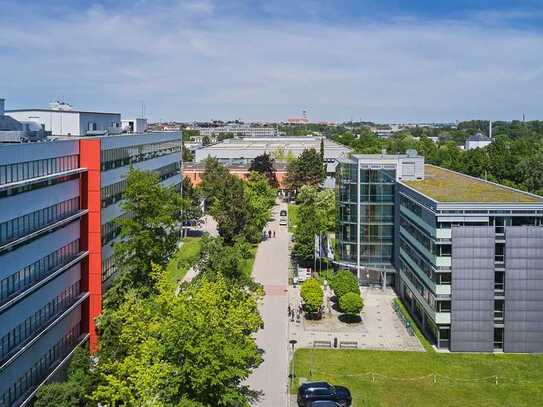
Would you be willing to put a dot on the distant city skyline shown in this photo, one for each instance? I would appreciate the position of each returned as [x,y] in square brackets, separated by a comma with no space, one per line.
[388,61]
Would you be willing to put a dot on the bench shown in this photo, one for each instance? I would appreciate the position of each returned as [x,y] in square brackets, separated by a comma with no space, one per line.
[348,344]
[322,344]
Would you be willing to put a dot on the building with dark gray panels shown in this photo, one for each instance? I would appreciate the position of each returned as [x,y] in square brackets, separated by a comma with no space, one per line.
[465,255]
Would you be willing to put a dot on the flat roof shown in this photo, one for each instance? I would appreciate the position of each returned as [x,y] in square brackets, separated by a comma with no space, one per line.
[55,111]
[444,185]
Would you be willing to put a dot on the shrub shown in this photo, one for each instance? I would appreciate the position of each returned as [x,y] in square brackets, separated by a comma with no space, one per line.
[351,303]
[344,282]
[312,295]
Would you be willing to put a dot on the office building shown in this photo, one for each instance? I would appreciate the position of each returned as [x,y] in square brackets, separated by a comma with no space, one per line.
[58,201]
[134,125]
[61,120]
[239,130]
[243,151]
[14,131]
[478,140]
[464,254]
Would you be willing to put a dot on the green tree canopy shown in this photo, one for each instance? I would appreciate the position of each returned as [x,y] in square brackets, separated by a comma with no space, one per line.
[264,164]
[183,347]
[312,295]
[351,303]
[149,232]
[344,282]
[307,169]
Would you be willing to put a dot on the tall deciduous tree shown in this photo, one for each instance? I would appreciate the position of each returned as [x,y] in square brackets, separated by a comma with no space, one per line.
[264,164]
[183,348]
[307,169]
[149,232]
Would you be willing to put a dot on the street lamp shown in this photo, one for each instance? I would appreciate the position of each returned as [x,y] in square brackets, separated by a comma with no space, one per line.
[292,374]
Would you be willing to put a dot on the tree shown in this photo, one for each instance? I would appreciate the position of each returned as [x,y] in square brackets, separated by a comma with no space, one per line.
[230,209]
[80,383]
[351,303]
[148,232]
[206,141]
[192,198]
[218,259]
[307,169]
[344,282]
[264,164]
[312,295]
[191,347]
[213,179]
[260,198]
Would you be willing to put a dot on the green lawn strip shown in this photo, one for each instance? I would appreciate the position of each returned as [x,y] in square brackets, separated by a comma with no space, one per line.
[184,258]
[247,266]
[423,340]
[405,379]
[292,217]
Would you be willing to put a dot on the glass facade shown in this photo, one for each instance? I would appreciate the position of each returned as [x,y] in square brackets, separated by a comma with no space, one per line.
[19,335]
[120,157]
[374,189]
[26,224]
[19,281]
[41,368]
[32,169]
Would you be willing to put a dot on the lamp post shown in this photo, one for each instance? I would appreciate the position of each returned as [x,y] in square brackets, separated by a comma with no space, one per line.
[292,374]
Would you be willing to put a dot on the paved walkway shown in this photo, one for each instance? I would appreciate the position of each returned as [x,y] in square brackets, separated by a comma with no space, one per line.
[380,327]
[271,270]
[210,226]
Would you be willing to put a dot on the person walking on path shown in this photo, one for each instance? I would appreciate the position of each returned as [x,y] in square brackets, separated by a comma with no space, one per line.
[274,234]
[269,234]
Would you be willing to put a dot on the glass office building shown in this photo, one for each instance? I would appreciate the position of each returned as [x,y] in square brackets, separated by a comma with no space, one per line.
[465,255]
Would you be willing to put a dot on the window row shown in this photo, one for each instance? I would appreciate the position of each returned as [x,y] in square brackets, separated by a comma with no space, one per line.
[419,260]
[419,286]
[26,224]
[38,168]
[28,276]
[39,320]
[108,268]
[38,185]
[417,234]
[42,368]
[120,157]
[114,192]
[111,229]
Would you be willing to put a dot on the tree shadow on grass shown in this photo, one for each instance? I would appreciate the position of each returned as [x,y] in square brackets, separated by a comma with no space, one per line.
[350,318]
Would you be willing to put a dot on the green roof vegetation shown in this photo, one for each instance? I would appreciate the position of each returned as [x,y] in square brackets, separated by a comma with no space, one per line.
[447,186]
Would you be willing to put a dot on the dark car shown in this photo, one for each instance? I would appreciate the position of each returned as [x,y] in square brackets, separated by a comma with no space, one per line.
[322,391]
[283,212]
[324,403]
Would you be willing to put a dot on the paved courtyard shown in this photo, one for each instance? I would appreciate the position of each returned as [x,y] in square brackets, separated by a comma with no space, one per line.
[379,329]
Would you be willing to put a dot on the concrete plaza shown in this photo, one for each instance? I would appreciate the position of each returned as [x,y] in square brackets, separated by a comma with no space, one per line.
[380,328]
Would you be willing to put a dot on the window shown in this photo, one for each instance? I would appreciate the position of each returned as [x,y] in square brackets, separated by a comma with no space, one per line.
[23,332]
[26,224]
[32,169]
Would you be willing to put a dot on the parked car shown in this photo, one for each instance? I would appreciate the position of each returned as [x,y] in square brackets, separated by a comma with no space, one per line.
[322,391]
[283,222]
[324,403]
[283,212]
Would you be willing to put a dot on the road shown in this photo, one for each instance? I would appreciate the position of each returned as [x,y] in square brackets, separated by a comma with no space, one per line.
[271,270]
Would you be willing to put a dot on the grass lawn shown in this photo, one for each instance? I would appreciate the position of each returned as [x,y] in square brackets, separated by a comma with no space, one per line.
[292,217]
[520,377]
[185,257]
[248,262]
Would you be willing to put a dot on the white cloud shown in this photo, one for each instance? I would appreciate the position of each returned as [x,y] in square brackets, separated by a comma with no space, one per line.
[191,60]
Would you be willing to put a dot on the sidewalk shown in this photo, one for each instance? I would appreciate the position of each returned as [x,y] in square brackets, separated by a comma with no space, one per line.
[271,270]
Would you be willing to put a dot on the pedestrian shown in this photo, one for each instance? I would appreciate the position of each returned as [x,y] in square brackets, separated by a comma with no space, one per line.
[274,234]
[269,234]
[289,310]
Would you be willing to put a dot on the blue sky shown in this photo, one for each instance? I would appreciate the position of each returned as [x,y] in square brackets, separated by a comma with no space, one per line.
[388,60]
